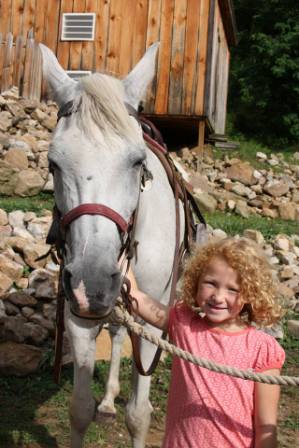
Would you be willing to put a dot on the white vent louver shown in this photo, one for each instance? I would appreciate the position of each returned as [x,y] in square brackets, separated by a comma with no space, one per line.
[78,74]
[78,26]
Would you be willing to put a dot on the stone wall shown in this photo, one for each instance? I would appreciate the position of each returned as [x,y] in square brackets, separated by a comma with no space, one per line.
[28,287]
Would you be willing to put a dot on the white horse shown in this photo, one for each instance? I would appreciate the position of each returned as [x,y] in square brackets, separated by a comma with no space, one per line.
[96,156]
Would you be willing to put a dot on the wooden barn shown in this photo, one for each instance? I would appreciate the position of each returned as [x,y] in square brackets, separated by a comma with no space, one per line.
[111,35]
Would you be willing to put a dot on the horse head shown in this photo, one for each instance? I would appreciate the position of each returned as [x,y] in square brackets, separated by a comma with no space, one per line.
[95,155]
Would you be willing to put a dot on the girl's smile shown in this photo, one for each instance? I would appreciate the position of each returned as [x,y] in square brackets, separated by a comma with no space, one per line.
[218,295]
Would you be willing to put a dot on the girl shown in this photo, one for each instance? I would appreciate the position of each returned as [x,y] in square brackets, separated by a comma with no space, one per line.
[227,285]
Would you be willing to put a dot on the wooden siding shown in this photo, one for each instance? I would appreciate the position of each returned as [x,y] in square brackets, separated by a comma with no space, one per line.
[192,66]
[217,71]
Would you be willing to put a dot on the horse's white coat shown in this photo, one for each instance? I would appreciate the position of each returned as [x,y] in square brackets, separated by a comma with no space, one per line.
[96,154]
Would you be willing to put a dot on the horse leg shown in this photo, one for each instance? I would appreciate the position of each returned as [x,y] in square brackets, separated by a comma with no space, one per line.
[139,408]
[106,407]
[82,335]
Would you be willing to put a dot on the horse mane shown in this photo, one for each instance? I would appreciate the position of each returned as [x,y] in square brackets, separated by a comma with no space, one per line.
[102,103]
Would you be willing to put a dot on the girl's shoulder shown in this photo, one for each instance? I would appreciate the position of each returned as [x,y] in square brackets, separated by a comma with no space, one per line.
[269,354]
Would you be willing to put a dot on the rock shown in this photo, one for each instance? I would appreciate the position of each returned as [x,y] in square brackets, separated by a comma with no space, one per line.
[8,178]
[16,218]
[44,283]
[261,155]
[293,328]
[285,292]
[19,359]
[3,217]
[254,235]
[242,172]
[242,209]
[287,211]
[5,121]
[16,158]
[32,251]
[205,201]
[276,331]
[21,298]
[281,242]
[276,188]
[29,183]
[5,283]
[10,268]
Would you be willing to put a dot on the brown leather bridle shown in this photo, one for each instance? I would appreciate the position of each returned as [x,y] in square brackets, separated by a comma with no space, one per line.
[127,231]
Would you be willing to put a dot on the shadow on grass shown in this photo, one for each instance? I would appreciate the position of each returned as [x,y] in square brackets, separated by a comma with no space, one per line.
[32,407]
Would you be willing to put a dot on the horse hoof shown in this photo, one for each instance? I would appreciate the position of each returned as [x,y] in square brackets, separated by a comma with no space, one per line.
[105,415]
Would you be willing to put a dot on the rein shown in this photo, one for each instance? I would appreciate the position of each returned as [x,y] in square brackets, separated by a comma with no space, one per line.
[60,224]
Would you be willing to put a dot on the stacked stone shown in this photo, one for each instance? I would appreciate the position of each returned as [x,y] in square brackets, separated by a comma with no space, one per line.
[25,128]
[232,185]
[28,286]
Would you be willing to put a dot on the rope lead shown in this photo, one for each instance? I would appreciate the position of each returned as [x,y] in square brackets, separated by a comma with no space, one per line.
[121,316]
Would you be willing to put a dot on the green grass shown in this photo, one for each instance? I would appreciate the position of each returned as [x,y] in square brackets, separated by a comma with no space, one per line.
[248,149]
[43,201]
[233,224]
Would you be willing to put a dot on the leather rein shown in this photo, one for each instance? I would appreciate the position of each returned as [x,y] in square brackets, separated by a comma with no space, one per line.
[182,192]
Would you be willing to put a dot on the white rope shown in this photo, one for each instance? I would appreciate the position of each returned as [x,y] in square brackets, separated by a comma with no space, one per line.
[121,316]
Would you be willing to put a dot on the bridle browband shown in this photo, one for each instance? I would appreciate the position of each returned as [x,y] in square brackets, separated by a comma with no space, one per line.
[94,209]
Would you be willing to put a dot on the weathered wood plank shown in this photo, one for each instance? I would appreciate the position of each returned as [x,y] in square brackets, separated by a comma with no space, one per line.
[88,48]
[139,41]
[164,57]
[153,35]
[35,74]
[114,36]
[19,61]
[190,59]
[52,25]
[211,94]
[7,63]
[127,37]
[202,53]
[103,14]
[63,47]
[221,81]
[5,16]
[17,13]
[27,66]
[76,46]
[177,57]
[28,16]
[40,18]
[1,59]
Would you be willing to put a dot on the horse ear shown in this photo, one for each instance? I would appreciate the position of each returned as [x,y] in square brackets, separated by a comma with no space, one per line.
[138,80]
[60,84]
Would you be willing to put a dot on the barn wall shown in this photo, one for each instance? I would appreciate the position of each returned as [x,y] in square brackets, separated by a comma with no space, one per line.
[124,29]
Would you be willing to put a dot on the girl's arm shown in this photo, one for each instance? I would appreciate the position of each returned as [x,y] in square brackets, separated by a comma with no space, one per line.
[266,399]
[146,307]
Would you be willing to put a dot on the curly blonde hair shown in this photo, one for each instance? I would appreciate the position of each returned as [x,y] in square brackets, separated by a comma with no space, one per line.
[258,289]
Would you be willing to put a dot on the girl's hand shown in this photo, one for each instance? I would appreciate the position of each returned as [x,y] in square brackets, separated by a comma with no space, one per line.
[149,309]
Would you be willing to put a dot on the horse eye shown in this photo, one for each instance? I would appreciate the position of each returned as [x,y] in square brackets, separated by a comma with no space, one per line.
[52,166]
[137,163]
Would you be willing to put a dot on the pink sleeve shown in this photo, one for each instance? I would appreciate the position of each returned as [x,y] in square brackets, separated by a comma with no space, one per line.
[171,321]
[271,355]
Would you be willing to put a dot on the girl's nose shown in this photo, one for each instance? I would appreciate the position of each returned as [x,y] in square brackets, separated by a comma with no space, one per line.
[218,296]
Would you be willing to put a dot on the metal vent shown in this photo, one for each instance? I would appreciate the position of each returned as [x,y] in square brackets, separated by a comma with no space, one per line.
[78,26]
[78,74]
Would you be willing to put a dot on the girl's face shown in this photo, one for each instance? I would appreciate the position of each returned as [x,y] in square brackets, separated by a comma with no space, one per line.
[218,295]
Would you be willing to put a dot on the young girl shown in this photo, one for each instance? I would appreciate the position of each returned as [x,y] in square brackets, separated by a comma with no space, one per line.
[227,285]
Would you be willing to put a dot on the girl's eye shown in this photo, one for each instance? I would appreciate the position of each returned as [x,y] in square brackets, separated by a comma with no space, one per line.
[233,291]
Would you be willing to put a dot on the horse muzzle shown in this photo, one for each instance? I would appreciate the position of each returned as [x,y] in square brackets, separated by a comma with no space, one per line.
[91,295]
